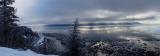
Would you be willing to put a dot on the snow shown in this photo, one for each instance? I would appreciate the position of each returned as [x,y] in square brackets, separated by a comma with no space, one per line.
[39,42]
[12,52]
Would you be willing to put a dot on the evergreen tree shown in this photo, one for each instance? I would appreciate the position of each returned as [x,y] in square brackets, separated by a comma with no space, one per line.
[12,35]
[74,41]
[7,19]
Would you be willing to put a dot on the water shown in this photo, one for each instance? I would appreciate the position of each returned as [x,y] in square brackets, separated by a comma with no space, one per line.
[143,28]
[146,33]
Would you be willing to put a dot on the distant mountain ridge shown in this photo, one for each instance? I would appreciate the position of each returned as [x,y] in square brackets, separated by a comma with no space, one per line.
[96,24]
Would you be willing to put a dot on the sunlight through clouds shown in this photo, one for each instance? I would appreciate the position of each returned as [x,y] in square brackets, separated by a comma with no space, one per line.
[101,13]
[24,8]
[24,5]
[142,15]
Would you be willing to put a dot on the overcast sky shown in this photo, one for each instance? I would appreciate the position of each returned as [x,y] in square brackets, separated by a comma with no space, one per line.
[65,11]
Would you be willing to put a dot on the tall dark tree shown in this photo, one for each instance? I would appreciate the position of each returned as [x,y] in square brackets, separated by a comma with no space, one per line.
[10,33]
[74,41]
[7,19]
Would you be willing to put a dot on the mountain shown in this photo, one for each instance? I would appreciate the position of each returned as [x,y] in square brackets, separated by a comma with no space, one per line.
[94,24]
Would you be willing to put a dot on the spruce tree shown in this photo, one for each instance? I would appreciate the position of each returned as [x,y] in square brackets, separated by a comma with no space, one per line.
[7,19]
[74,41]
[12,35]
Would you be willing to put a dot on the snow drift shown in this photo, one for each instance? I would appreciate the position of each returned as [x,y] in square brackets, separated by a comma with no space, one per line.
[11,52]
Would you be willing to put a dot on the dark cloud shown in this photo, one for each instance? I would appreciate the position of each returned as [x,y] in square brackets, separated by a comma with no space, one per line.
[140,19]
[128,5]
[67,10]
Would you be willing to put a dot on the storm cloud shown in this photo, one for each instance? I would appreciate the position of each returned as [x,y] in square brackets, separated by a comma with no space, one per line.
[65,11]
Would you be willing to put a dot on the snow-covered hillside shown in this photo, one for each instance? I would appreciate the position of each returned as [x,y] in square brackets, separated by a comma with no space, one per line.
[11,52]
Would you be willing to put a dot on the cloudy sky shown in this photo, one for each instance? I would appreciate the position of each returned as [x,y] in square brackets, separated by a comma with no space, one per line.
[65,11]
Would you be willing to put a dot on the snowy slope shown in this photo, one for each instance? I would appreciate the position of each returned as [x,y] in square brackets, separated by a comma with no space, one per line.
[11,52]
